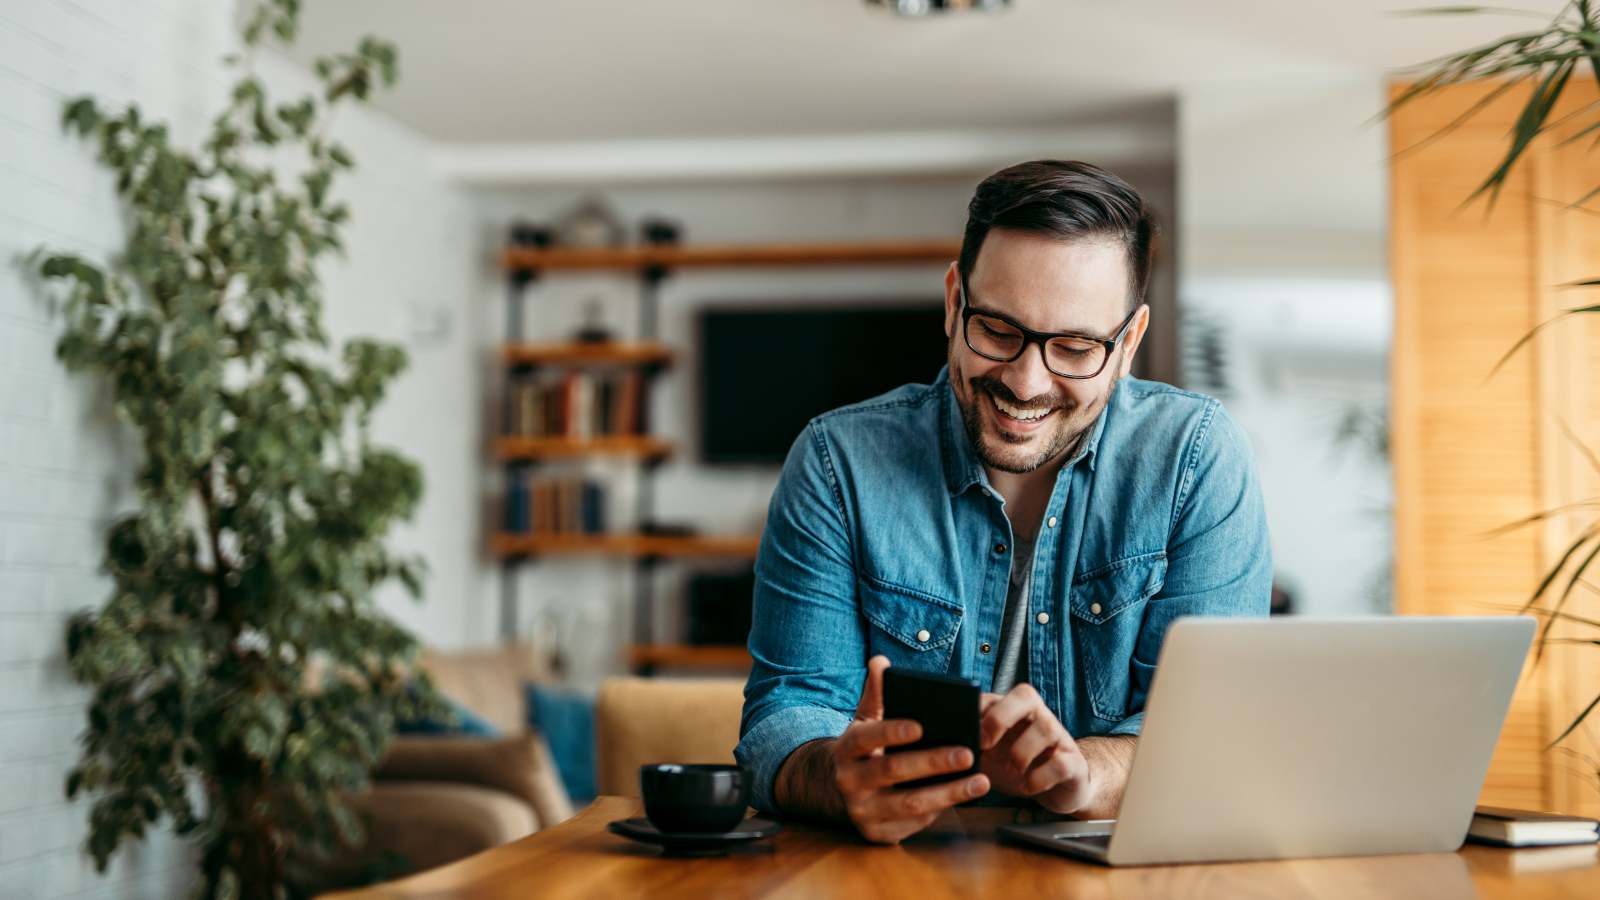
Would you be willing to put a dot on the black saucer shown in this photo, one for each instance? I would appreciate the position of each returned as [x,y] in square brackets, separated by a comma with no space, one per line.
[683,843]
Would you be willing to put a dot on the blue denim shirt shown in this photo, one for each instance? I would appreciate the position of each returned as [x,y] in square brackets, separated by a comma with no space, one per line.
[883,536]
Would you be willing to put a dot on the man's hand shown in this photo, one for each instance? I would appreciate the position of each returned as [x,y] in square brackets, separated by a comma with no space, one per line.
[865,779]
[1028,753]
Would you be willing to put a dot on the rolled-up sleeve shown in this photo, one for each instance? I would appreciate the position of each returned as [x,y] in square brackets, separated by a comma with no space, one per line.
[807,637]
[1219,560]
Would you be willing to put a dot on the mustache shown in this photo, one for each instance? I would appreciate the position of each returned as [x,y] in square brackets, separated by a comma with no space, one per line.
[996,387]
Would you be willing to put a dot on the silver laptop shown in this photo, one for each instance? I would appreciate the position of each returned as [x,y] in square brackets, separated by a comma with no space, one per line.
[1277,738]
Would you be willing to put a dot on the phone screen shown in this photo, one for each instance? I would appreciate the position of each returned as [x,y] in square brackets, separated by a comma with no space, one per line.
[947,708]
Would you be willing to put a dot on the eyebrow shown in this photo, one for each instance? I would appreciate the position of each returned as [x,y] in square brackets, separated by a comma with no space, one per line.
[1011,321]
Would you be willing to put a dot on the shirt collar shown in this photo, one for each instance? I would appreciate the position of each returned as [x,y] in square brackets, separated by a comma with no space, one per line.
[962,468]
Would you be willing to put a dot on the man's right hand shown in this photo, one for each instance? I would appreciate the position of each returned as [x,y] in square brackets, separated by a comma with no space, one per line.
[867,778]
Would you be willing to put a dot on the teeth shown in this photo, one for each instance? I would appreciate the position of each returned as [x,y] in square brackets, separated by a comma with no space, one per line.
[1015,413]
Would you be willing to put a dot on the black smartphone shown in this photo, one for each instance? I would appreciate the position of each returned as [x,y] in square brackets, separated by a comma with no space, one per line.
[945,706]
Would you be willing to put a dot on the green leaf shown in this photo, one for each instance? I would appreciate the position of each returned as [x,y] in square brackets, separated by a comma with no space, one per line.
[1576,722]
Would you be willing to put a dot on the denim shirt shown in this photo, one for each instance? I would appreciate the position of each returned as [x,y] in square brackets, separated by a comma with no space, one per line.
[884,536]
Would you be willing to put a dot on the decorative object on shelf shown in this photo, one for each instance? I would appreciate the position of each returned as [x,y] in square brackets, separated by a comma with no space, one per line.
[526,233]
[913,9]
[255,546]
[660,231]
[594,329]
[591,223]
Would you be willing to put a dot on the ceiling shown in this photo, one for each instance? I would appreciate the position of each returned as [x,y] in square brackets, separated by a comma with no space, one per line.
[520,71]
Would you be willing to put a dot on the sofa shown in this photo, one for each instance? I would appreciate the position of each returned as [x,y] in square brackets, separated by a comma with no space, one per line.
[439,798]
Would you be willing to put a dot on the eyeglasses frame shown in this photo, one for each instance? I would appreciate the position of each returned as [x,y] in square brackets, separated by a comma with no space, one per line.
[1029,336]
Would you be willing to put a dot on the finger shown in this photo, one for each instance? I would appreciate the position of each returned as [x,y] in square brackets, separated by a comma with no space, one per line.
[862,738]
[896,768]
[986,700]
[890,806]
[870,706]
[1021,703]
[1042,735]
[1054,769]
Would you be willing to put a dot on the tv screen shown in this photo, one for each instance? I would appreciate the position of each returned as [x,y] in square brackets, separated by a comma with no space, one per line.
[764,372]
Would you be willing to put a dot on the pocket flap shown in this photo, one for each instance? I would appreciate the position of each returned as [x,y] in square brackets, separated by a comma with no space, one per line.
[1102,593]
[920,621]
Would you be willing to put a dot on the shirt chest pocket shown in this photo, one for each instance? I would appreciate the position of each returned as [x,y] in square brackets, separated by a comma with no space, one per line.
[1108,608]
[914,630]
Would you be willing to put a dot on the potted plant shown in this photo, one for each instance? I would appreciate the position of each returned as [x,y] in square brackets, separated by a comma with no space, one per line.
[252,555]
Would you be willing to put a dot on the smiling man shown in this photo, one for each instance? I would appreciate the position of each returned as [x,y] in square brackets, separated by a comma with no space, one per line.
[1035,519]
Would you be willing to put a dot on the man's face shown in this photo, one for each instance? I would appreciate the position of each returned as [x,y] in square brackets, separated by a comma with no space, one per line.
[1046,285]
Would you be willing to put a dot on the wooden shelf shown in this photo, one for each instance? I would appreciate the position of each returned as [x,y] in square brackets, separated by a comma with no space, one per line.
[610,353]
[636,545]
[639,446]
[521,259]
[729,656]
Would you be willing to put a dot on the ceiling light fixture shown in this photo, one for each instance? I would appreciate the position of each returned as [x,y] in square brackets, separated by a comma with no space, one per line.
[918,8]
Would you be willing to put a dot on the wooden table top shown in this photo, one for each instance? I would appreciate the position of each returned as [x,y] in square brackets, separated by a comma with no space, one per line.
[960,857]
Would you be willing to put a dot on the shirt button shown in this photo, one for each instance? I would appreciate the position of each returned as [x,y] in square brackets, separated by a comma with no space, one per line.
[999,548]
[983,647]
[923,635]
[1094,609]
[1044,618]
[1051,523]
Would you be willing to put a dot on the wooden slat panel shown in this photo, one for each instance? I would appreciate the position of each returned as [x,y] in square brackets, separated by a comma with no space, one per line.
[1473,453]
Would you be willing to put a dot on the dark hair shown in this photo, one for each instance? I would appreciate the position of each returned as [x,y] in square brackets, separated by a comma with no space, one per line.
[1064,200]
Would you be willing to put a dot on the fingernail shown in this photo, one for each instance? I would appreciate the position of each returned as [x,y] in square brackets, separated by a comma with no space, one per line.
[956,757]
[974,788]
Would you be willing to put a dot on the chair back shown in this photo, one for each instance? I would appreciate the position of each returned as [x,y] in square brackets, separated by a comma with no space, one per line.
[649,720]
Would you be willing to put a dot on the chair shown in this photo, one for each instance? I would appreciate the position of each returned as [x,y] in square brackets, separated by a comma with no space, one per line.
[648,720]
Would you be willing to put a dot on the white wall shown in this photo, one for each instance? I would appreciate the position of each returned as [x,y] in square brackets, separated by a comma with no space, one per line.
[585,606]
[1283,204]
[65,465]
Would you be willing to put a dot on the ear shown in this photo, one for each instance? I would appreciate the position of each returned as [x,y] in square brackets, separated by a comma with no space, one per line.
[952,299]
[1134,337]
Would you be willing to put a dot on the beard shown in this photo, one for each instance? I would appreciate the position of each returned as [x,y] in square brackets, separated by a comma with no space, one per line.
[1020,454]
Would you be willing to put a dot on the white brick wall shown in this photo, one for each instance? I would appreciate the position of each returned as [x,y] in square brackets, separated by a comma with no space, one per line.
[65,465]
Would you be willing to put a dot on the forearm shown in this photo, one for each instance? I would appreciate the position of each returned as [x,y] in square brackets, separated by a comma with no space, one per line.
[806,784]
[1109,760]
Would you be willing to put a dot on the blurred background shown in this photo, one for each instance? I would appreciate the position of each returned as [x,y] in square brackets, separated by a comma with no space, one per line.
[504,197]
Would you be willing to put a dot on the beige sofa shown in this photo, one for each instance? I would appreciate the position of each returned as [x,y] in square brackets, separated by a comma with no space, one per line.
[436,799]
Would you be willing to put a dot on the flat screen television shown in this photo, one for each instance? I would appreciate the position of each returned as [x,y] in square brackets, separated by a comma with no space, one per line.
[765,371]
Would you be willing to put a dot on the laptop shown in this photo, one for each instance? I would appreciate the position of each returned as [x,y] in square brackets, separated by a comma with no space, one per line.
[1293,737]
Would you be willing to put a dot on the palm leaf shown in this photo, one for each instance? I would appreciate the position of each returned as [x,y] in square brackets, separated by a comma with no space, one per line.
[1576,722]
[1540,516]
[1542,325]
[1528,126]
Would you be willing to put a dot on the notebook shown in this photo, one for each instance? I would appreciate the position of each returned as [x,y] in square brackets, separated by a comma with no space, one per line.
[1524,828]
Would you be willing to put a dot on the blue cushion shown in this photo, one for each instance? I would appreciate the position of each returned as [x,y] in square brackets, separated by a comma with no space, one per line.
[566,719]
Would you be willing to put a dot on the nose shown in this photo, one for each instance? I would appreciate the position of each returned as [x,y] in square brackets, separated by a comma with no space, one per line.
[1026,376]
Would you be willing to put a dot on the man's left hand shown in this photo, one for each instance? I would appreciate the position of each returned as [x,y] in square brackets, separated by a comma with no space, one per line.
[1028,753]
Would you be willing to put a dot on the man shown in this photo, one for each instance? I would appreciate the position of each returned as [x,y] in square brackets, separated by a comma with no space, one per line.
[1035,519]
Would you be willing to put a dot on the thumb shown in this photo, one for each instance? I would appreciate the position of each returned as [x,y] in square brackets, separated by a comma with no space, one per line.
[870,709]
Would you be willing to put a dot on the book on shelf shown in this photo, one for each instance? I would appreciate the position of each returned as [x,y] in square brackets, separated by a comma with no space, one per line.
[1524,828]
[577,405]
[549,505]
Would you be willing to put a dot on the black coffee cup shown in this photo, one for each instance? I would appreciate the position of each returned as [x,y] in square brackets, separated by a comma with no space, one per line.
[700,799]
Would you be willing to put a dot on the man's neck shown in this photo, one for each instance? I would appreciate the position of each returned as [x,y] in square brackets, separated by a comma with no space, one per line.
[1027,493]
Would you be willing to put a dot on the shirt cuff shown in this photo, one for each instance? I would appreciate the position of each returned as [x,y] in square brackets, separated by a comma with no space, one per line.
[764,748]
[1132,725]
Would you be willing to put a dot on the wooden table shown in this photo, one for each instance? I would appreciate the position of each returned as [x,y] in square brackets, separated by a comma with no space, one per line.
[960,857]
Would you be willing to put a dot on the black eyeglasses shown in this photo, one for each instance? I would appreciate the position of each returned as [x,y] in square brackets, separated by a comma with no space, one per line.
[1001,338]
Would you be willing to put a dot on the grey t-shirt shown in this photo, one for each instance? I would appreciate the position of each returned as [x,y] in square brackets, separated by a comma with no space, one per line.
[1011,660]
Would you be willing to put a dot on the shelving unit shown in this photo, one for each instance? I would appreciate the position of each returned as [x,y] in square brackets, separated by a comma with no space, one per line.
[524,266]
